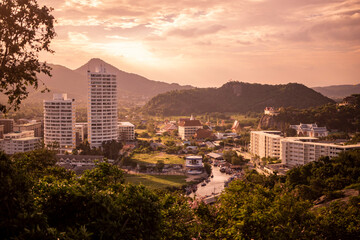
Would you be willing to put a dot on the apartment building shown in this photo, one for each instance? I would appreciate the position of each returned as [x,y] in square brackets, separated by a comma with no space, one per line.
[188,127]
[19,142]
[126,131]
[102,107]
[265,143]
[293,151]
[32,125]
[300,151]
[59,122]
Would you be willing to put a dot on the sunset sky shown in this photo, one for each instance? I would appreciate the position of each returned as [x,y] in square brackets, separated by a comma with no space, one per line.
[207,43]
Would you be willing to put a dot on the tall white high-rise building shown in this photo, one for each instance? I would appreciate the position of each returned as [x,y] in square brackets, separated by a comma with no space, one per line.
[102,107]
[59,122]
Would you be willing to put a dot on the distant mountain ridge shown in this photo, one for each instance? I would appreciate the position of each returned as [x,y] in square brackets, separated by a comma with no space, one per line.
[338,91]
[234,97]
[74,82]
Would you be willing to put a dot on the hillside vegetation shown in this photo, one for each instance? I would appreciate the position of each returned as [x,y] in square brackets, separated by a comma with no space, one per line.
[234,97]
[40,200]
[331,116]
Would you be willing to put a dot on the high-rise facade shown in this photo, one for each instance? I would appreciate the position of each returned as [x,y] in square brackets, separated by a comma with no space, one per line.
[59,122]
[102,107]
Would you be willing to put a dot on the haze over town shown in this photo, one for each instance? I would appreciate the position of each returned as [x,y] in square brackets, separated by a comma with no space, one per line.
[207,43]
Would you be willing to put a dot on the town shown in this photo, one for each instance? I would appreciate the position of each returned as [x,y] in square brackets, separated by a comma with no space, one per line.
[182,120]
[200,157]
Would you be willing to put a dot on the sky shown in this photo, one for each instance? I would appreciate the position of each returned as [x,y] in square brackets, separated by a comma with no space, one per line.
[206,43]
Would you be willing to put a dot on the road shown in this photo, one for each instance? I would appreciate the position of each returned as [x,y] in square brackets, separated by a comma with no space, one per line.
[215,185]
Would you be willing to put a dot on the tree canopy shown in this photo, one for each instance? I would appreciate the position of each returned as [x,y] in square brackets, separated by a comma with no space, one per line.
[25,30]
[40,200]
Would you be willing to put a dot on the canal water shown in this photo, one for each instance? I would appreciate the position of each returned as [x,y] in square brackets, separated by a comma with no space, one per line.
[216,184]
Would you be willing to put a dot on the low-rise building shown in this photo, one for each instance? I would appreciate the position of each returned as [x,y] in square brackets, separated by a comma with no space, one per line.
[310,130]
[202,134]
[215,156]
[126,131]
[225,135]
[188,128]
[271,111]
[8,125]
[17,135]
[236,127]
[194,164]
[31,125]
[19,142]
[168,127]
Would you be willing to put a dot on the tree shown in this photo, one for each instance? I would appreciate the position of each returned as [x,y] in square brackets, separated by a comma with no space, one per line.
[25,30]
[160,165]
[111,149]
[208,167]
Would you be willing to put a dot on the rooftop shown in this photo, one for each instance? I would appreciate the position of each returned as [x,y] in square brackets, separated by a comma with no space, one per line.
[190,123]
[125,124]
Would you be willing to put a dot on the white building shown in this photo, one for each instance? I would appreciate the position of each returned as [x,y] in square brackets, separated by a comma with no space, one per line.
[265,143]
[19,142]
[59,122]
[221,136]
[310,130]
[126,131]
[102,107]
[31,125]
[188,128]
[17,135]
[300,151]
[194,164]
[293,151]
[271,111]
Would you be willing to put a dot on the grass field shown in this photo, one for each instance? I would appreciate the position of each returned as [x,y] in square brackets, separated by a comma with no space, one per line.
[156,181]
[154,157]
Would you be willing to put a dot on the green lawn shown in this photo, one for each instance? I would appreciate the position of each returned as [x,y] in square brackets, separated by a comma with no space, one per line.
[156,181]
[154,157]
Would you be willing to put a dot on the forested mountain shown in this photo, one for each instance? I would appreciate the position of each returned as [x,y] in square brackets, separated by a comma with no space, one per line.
[338,91]
[234,97]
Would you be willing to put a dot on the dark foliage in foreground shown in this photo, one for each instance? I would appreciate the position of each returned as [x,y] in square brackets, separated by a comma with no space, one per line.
[42,201]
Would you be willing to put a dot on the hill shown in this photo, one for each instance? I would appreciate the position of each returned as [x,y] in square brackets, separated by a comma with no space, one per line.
[338,91]
[234,97]
[74,82]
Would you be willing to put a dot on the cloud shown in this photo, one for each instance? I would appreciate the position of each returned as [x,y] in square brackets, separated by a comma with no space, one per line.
[117,37]
[203,33]
[195,32]
[77,37]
